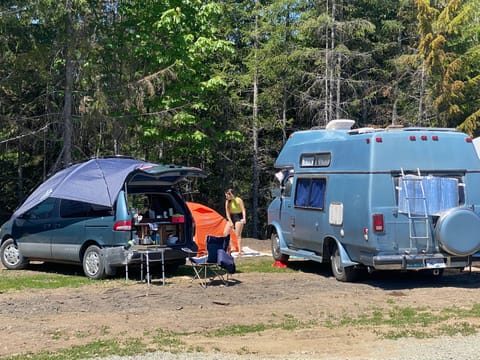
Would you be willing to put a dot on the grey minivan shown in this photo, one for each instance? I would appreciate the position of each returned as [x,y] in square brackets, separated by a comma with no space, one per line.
[91,212]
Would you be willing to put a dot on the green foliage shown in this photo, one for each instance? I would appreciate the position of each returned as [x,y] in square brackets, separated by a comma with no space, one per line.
[173,81]
[449,34]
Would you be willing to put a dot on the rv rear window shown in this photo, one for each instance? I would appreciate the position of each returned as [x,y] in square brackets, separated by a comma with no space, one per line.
[310,193]
[431,195]
[315,160]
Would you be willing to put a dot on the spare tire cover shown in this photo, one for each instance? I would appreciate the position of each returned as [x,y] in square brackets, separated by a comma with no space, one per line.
[458,231]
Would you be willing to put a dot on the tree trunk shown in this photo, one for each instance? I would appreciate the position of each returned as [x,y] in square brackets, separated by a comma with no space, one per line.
[332,64]
[20,170]
[327,51]
[422,94]
[67,109]
[284,115]
[255,169]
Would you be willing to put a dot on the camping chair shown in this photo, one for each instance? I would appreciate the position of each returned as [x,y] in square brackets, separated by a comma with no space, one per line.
[215,263]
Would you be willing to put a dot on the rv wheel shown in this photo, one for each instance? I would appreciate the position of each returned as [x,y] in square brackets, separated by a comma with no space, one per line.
[277,255]
[346,274]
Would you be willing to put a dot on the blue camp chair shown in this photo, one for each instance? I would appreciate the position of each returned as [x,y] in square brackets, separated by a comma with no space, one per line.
[214,264]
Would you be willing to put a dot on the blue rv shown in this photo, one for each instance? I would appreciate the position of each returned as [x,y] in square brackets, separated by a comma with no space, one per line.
[377,199]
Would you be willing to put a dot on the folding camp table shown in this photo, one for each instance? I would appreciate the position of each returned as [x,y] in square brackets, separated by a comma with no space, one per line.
[145,251]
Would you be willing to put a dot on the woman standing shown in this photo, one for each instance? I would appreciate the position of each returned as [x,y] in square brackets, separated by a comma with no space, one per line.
[236,215]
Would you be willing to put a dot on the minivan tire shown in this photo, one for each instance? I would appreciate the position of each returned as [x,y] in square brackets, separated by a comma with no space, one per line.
[12,258]
[94,263]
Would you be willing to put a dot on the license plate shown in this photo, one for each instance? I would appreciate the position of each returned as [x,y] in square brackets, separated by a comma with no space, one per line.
[435,264]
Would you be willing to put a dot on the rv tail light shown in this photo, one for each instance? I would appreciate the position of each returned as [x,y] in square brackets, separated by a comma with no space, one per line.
[123,225]
[412,138]
[468,139]
[435,137]
[379,139]
[424,137]
[378,224]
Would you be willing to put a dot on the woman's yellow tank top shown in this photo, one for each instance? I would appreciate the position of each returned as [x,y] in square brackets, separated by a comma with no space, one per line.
[235,206]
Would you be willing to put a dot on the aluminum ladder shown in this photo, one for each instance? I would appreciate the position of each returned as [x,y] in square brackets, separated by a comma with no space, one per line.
[416,210]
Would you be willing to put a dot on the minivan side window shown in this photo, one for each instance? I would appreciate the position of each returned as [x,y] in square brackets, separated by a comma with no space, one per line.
[74,209]
[44,210]
[310,192]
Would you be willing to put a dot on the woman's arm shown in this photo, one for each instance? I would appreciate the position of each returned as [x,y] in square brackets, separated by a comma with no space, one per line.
[227,211]
[244,212]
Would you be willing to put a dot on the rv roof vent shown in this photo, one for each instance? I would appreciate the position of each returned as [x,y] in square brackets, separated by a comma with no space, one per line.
[394,127]
[364,130]
[340,124]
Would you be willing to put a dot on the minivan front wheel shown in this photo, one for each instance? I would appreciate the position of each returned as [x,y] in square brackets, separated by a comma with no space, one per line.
[12,258]
[94,263]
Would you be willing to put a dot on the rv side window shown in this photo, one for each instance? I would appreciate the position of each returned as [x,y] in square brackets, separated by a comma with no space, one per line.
[315,160]
[310,193]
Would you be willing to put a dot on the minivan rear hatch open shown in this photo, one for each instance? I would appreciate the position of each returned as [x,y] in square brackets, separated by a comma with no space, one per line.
[163,175]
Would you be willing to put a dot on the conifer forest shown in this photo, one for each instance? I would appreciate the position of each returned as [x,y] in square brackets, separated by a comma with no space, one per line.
[221,84]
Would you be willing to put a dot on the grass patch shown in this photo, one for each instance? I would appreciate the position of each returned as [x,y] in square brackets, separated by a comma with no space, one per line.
[421,322]
[288,323]
[168,341]
[94,349]
[260,265]
[253,265]
[17,280]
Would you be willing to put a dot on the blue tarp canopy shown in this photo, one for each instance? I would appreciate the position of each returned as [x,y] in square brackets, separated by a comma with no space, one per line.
[97,181]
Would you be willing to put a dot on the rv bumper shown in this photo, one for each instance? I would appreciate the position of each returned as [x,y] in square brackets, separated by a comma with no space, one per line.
[420,262]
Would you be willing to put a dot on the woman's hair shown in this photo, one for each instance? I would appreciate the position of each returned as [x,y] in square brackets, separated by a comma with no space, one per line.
[230,191]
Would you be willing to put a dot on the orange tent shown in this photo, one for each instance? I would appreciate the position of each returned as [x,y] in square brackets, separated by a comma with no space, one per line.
[209,222]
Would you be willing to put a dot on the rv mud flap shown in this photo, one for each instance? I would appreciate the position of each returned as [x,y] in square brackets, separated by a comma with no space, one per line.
[345,260]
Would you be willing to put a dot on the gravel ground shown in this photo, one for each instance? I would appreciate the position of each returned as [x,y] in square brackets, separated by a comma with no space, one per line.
[442,348]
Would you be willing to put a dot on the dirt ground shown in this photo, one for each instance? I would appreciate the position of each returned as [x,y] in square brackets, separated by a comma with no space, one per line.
[35,320]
